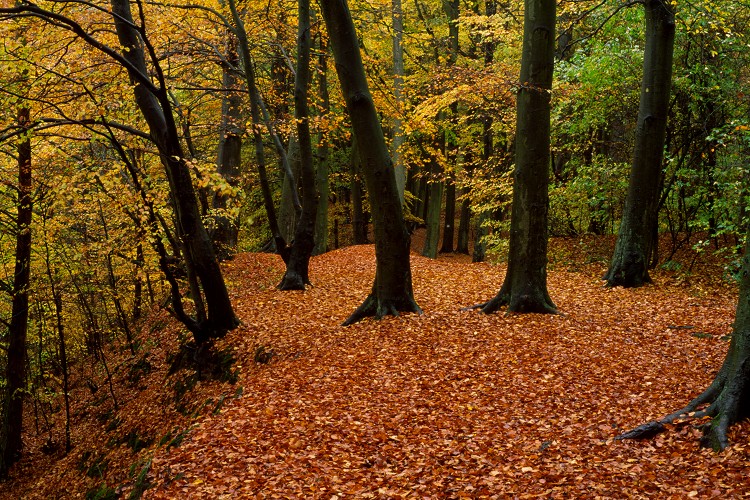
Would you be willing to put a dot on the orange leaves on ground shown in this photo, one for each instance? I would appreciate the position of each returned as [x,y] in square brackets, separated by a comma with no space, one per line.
[459,404]
[451,403]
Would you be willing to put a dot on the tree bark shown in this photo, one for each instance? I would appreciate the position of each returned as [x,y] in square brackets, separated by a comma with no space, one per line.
[297,269]
[398,97]
[525,286]
[392,288]
[321,181]
[15,369]
[229,158]
[434,206]
[635,239]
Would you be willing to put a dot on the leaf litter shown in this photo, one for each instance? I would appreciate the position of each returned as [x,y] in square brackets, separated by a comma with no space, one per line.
[448,404]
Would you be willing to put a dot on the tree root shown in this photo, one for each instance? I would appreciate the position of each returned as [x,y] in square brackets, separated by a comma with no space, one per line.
[723,408]
[379,308]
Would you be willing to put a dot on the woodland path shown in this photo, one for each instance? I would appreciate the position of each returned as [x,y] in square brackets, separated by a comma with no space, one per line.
[456,404]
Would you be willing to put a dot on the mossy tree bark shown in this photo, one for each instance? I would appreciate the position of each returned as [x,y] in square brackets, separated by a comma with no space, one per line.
[392,289]
[638,229]
[321,172]
[525,286]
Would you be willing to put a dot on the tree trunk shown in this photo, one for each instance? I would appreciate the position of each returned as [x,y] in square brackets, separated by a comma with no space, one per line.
[287,211]
[462,245]
[525,286]
[635,239]
[297,269]
[156,108]
[392,287]
[15,369]
[323,187]
[229,160]
[434,205]
[449,225]
[398,83]
[359,221]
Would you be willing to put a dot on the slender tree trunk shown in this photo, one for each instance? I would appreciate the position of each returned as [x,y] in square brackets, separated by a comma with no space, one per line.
[449,225]
[480,246]
[434,204]
[398,83]
[297,271]
[392,287]
[11,444]
[229,157]
[155,106]
[635,240]
[321,181]
[462,245]
[525,286]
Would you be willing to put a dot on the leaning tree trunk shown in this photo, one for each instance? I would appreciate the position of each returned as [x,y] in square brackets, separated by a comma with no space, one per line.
[728,396]
[525,285]
[15,367]
[635,240]
[297,269]
[156,108]
[392,288]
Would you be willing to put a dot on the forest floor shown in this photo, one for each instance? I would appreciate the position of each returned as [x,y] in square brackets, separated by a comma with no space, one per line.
[447,404]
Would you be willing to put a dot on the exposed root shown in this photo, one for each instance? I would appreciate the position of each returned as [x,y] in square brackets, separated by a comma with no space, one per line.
[722,408]
[292,281]
[372,306]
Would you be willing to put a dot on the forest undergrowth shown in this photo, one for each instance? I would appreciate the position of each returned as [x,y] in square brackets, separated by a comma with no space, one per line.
[448,404]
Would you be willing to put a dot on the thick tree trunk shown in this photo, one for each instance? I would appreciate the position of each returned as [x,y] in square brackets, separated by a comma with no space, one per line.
[288,213]
[392,288]
[15,369]
[635,240]
[359,219]
[297,269]
[525,286]
[229,160]
[155,106]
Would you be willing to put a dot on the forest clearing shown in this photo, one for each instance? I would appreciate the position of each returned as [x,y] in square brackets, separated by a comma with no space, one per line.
[448,404]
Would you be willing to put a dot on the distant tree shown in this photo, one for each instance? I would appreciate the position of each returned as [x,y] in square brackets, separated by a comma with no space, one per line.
[525,286]
[392,288]
[636,239]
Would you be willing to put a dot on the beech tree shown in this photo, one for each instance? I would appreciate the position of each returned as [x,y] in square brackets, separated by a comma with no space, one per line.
[636,239]
[525,286]
[392,289]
